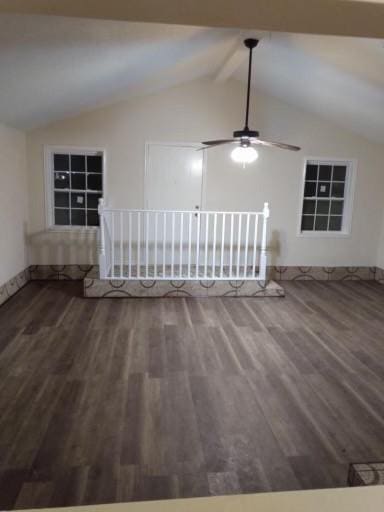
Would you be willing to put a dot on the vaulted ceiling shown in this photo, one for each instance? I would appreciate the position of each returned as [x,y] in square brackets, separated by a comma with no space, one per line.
[55,67]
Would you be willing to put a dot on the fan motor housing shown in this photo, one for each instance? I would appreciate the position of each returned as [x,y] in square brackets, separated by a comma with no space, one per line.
[246,134]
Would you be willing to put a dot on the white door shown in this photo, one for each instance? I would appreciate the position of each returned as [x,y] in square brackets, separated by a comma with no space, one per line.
[174,177]
[174,181]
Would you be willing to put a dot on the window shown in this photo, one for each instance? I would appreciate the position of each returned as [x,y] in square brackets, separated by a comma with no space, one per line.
[326,206]
[74,183]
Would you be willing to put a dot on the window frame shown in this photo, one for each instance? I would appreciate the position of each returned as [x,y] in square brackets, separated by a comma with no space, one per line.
[349,194]
[49,152]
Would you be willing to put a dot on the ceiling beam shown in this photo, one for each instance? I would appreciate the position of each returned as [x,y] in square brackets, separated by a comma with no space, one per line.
[338,17]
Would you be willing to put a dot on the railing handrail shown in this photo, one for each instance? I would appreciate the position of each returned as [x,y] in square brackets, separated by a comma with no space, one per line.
[139,210]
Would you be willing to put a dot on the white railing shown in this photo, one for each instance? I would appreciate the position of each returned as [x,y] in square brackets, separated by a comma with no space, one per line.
[182,245]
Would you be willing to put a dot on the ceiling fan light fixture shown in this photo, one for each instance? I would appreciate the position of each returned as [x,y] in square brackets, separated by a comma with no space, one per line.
[244,155]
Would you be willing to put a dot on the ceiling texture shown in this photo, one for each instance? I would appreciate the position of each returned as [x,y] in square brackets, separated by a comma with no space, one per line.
[56,67]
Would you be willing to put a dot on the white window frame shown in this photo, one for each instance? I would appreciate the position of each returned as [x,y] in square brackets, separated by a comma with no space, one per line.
[49,151]
[349,194]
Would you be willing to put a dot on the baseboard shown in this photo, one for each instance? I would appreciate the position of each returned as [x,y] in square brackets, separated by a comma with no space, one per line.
[277,273]
[61,272]
[16,283]
[306,273]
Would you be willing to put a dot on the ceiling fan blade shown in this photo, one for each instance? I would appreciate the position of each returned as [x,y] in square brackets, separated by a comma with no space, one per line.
[280,145]
[212,143]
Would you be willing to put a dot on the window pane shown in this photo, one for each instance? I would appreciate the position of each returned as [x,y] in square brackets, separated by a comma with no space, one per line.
[307,223]
[335,223]
[60,162]
[321,223]
[93,200]
[78,181]
[323,207]
[77,200]
[61,180]
[95,164]
[323,189]
[339,172]
[311,174]
[94,182]
[310,189]
[309,206]
[338,190]
[325,172]
[62,199]
[78,217]
[61,217]
[77,163]
[337,207]
[92,218]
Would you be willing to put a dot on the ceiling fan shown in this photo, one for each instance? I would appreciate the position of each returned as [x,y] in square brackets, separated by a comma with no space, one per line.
[245,139]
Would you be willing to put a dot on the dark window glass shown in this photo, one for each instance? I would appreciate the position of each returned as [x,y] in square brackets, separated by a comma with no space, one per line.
[323,207]
[310,189]
[337,207]
[335,223]
[311,174]
[95,164]
[61,180]
[77,200]
[325,173]
[92,218]
[62,199]
[61,217]
[93,200]
[60,162]
[339,172]
[323,189]
[77,163]
[94,181]
[337,189]
[321,223]
[78,181]
[78,217]
[307,222]
[309,206]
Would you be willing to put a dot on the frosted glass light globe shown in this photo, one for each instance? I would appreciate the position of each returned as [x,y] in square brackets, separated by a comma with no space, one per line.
[244,155]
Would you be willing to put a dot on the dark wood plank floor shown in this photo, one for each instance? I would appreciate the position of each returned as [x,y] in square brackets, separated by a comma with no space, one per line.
[116,400]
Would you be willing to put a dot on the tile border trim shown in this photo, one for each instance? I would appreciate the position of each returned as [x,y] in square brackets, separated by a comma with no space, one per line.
[13,285]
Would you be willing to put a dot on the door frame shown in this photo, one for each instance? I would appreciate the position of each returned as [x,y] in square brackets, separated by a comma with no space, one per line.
[196,145]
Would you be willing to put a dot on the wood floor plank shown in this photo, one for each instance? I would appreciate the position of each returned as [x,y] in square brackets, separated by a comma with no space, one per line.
[109,400]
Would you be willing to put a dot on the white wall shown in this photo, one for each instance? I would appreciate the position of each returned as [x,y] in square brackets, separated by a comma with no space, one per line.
[200,111]
[13,203]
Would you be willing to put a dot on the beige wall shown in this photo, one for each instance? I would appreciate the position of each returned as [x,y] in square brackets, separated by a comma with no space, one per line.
[13,203]
[202,110]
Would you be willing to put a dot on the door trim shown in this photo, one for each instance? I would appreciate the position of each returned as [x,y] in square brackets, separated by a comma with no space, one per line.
[196,145]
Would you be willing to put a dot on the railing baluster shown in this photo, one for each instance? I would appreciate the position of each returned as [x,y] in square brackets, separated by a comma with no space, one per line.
[263,253]
[121,247]
[222,245]
[206,244]
[164,240]
[138,266]
[238,245]
[173,246]
[146,244]
[189,244]
[155,255]
[181,243]
[231,248]
[198,243]
[130,245]
[246,246]
[255,246]
[213,273]
[113,243]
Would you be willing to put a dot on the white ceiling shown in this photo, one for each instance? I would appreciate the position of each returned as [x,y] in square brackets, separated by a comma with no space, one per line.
[52,68]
